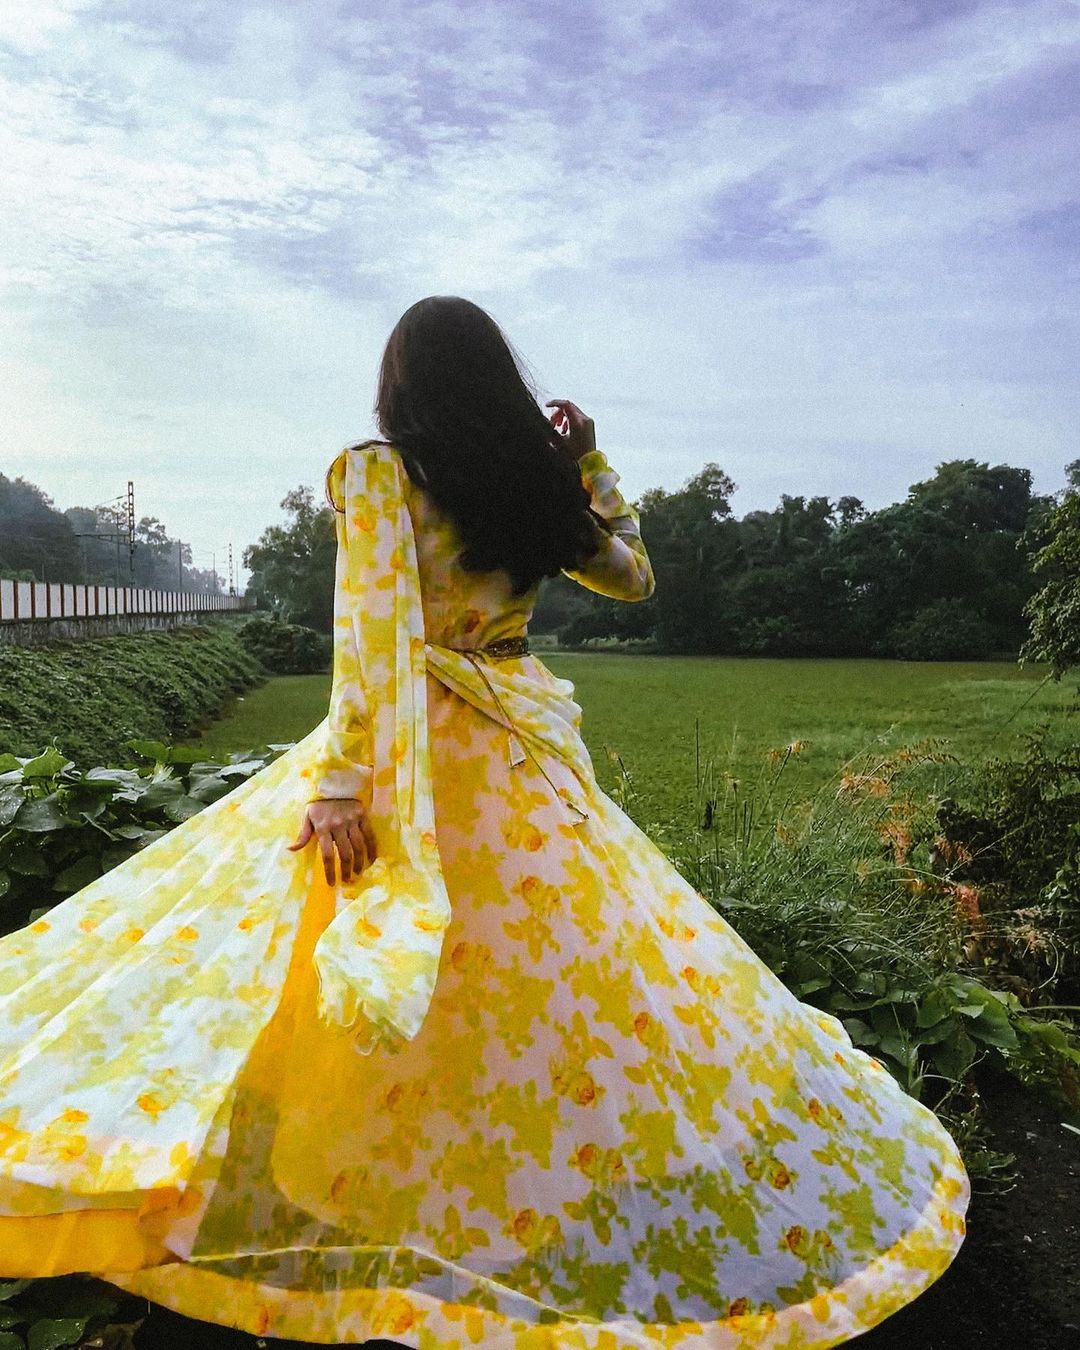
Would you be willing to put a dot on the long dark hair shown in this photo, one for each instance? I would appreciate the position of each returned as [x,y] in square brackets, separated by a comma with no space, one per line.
[453,400]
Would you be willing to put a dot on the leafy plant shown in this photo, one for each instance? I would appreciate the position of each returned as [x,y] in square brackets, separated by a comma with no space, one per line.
[61,827]
[944,630]
[67,1310]
[1015,841]
[846,900]
[1054,610]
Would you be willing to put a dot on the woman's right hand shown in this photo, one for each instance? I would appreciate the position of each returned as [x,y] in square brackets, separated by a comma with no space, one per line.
[341,824]
[581,437]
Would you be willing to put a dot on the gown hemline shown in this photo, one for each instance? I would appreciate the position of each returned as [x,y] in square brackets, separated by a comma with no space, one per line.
[423,1322]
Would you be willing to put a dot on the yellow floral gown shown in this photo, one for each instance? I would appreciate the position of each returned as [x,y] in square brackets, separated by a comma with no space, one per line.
[518,1086]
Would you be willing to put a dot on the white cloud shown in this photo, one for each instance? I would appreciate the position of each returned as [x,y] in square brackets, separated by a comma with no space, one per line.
[209,225]
[30,26]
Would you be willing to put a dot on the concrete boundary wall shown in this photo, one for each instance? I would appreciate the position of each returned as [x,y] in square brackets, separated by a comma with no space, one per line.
[33,612]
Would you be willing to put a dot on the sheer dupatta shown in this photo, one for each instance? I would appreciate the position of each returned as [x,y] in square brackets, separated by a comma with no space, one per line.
[378,960]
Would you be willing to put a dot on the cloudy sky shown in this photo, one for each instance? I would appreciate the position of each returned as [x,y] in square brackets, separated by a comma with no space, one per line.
[825,243]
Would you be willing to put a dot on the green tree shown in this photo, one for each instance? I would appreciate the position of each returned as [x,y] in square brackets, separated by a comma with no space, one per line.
[1054,609]
[787,600]
[292,565]
[692,546]
[955,538]
[36,541]
[975,496]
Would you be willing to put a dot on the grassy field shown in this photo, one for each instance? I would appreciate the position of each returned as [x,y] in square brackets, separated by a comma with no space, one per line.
[651,710]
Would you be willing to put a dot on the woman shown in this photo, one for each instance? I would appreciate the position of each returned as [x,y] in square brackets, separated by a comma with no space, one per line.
[468,1063]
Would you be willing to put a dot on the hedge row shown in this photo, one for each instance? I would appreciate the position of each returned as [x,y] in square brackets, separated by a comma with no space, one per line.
[94,695]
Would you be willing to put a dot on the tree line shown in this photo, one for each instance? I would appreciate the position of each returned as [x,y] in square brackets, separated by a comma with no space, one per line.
[89,545]
[944,574]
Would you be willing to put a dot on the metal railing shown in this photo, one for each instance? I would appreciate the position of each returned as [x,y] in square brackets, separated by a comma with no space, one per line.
[29,601]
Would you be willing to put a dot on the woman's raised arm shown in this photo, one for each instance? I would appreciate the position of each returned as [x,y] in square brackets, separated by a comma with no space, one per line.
[620,568]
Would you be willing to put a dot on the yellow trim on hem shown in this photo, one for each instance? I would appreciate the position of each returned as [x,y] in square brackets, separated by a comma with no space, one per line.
[831,1317]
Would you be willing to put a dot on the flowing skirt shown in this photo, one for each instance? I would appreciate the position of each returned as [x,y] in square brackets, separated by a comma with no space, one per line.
[615,1128]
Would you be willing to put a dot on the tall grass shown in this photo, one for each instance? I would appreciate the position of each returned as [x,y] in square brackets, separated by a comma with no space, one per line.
[849,896]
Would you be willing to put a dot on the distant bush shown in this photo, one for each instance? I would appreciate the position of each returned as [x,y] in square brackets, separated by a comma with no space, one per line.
[643,646]
[286,648]
[947,630]
[93,695]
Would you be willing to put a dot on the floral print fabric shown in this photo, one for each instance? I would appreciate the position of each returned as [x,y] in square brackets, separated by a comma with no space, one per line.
[611,1126]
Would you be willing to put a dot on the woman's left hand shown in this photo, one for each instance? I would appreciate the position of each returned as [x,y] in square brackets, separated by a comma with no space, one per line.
[341,824]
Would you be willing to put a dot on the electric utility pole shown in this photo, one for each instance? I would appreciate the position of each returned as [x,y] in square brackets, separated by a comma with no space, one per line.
[131,527]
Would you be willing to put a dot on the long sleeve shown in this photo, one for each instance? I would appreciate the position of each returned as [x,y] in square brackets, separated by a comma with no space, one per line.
[620,568]
[344,765]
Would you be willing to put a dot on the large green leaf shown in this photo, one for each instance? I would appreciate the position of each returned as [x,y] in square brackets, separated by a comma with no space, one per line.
[52,1333]
[11,798]
[105,776]
[861,1034]
[209,788]
[46,765]
[74,1298]
[936,1005]
[28,859]
[40,815]
[158,751]
[242,769]
[182,808]
[81,873]
[940,1031]
[953,1056]
[160,791]
[994,1028]
[184,754]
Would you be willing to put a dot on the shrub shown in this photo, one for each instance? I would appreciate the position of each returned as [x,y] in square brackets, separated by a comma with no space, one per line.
[286,648]
[61,827]
[1054,610]
[839,895]
[946,630]
[95,694]
[1015,842]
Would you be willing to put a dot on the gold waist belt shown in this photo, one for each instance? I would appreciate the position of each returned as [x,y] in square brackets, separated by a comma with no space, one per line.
[500,649]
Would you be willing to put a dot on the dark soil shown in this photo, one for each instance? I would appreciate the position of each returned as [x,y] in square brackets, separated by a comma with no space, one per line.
[1015,1284]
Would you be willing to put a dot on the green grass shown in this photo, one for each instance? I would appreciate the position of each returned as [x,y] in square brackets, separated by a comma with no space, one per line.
[646,708]
[284,708]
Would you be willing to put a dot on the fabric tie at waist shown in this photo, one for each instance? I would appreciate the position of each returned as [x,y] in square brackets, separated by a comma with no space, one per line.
[540,716]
